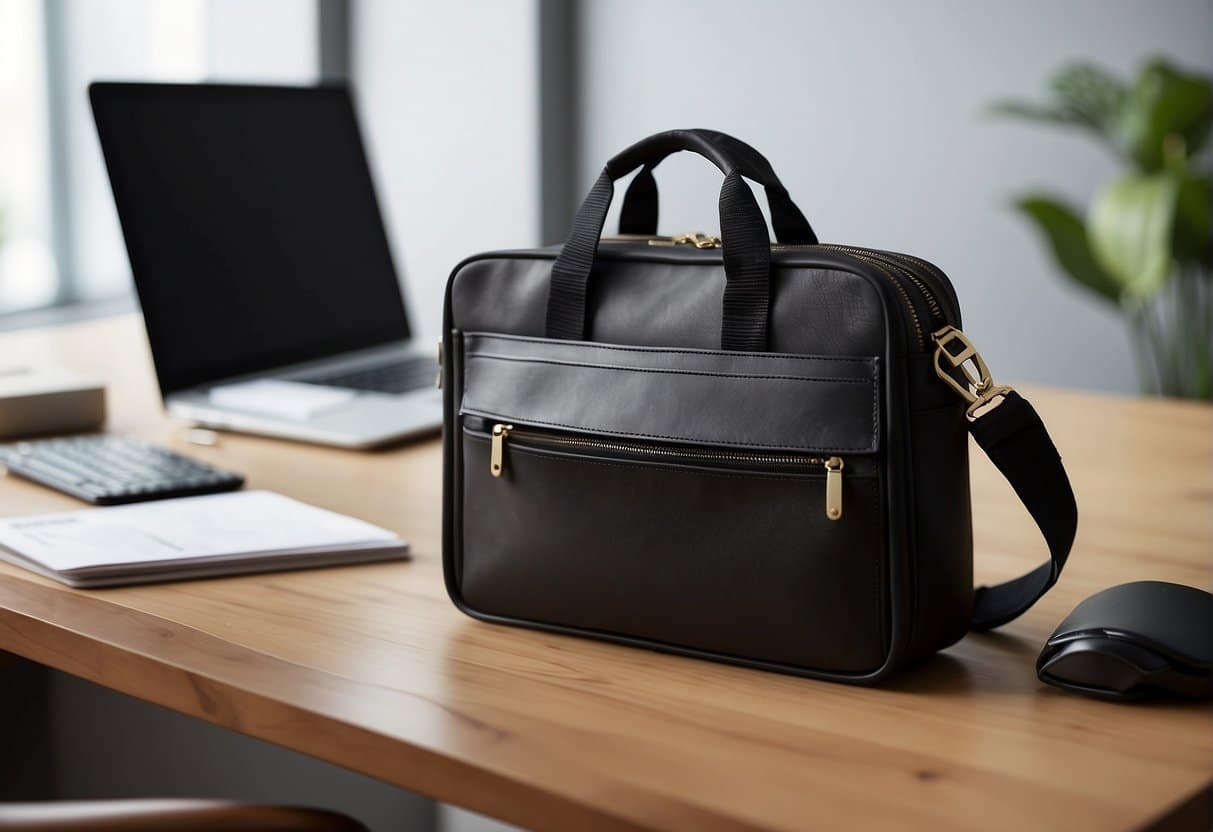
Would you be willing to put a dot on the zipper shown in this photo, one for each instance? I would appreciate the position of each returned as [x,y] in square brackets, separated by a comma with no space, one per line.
[833,465]
[497,449]
[694,238]
[936,274]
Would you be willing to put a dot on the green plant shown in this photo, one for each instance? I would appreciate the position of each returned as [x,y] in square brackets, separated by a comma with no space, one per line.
[1144,243]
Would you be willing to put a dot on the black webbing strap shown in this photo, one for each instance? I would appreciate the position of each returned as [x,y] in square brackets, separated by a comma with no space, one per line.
[747,266]
[1015,440]
[641,201]
[638,213]
[746,244]
[571,271]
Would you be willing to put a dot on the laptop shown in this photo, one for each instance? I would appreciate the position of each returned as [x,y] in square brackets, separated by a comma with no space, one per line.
[259,256]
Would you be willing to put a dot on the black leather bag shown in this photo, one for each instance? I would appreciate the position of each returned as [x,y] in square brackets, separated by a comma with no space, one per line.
[734,449]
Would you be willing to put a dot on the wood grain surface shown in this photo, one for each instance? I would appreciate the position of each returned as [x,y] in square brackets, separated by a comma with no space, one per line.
[372,668]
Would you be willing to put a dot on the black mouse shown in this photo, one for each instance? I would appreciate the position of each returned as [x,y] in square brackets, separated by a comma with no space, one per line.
[1133,641]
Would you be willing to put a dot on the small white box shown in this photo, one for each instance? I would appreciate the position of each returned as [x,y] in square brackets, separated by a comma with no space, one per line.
[48,399]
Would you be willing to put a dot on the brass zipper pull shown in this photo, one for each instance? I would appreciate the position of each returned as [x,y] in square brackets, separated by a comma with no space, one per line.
[695,238]
[834,466]
[703,240]
[497,449]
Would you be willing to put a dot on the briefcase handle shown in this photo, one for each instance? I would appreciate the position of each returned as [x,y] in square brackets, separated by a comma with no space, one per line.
[746,248]
[639,211]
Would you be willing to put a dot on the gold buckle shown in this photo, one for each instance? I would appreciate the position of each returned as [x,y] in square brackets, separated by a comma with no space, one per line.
[978,388]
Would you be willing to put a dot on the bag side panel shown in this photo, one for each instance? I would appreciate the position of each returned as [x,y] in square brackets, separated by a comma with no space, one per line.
[943,527]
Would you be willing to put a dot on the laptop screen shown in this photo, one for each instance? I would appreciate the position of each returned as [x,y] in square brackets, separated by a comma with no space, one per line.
[251,224]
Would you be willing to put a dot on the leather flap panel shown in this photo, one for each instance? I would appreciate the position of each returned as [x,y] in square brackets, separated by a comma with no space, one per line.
[705,397]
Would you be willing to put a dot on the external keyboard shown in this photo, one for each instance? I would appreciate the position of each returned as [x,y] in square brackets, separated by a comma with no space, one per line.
[396,377]
[108,470]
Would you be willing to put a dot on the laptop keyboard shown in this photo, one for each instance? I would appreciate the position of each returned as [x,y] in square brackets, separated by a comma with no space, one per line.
[400,376]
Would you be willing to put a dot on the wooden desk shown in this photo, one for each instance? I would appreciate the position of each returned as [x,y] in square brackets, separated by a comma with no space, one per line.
[372,668]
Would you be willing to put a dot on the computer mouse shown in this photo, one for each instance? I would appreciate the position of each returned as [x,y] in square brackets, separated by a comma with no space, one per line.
[1134,641]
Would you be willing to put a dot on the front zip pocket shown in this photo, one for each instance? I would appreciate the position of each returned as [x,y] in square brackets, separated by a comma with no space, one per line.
[738,551]
[831,466]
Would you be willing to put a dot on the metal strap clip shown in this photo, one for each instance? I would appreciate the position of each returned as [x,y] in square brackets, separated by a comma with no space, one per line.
[955,352]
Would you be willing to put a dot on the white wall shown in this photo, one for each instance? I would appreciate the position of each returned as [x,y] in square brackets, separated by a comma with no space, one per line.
[27,266]
[271,41]
[448,97]
[872,115]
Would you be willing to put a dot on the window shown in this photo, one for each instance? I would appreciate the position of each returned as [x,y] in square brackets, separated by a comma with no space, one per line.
[28,274]
[60,240]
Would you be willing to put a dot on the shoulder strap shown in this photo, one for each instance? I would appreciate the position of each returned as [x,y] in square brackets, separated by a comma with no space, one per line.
[1012,435]
[1015,440]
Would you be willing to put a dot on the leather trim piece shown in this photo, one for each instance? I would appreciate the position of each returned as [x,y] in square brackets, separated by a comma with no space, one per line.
[736,400]
[827,366]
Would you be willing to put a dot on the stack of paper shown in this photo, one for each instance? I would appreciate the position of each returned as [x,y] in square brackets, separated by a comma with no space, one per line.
[191,537]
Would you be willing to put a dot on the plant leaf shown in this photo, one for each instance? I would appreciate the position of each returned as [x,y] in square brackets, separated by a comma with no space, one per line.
[1029,111]
[1081,95]
[1193,224]
[1130,228]
[1165,102]
[1091,95]
[1067,236]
